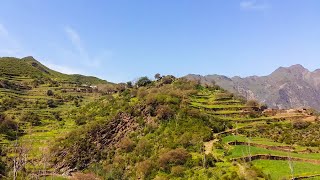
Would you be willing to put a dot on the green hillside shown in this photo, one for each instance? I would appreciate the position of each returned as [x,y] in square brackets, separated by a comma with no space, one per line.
[52,126]
[29,67]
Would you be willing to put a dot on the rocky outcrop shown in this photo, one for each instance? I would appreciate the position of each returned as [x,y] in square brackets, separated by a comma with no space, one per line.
[92,145]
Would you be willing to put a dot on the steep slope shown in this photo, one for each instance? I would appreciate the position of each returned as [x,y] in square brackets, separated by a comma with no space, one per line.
[290,87]
[35,108]
[165,129]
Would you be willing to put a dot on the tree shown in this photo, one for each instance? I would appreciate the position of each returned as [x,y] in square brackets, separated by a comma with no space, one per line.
[127,145]
[177,171]
[168,79]
[164,112]
[263,107]
[121,87]
[51,103]
[144,168]
[76,103]
[143,81]
[157,76]
[253,105]
[177,156]
[50,92]
[57,116]
[8,127]
[129,84]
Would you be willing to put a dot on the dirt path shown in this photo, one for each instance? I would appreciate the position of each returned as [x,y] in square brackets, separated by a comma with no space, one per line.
[208,146]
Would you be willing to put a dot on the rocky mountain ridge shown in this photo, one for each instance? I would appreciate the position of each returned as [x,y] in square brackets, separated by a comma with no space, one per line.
[286,87]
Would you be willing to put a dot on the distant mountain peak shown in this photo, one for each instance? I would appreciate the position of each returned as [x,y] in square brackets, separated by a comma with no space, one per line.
[297,67]
[316,71]
[287,87]
[294,69]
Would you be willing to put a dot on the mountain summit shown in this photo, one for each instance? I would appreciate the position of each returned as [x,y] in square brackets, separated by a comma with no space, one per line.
[286,87]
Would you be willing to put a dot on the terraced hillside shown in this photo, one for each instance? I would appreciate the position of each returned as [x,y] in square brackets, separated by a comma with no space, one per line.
[56,126]
[247,140]
[37,106]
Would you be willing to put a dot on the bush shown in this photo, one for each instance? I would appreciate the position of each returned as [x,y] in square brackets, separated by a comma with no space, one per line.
[32,118]
[263,107]
[2,164]
[177,171]
[8,127]
[127,145]
[80,120]
[167,79]
[173,157]
[252,103]
[210,160]
[50,93]
[51,103]
[144,148]
[164,112]
[57,116]
[144,168]
[76,103]
[300,124]
[143,81]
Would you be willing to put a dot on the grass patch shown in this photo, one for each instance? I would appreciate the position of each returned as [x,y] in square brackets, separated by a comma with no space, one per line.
[241,150]
[280,169]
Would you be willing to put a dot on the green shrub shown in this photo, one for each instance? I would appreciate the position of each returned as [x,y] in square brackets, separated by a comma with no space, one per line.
[173,157]
[32,118]
[8,127]
[126,145]
[143,81]
[50,93]
[178,171]
[144,168]
[164,112]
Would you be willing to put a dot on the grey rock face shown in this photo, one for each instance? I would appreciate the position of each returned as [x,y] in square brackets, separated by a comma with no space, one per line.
[286,87]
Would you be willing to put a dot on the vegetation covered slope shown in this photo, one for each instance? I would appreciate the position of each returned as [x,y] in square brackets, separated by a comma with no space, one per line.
[149,132]
[29,67]
[178,129]
[170,128]
[35,106]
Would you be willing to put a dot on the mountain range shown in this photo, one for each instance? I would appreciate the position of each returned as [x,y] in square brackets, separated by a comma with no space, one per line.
[286,87]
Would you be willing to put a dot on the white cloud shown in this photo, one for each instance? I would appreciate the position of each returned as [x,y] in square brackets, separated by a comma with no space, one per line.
[79,51]
[76,41]
[254,5]
[62,69]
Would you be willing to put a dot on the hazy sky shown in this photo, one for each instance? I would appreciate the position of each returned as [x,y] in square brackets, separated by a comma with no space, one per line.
[121,40]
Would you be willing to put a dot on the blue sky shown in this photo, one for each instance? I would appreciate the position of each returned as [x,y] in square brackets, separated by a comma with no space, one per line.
[121,40]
